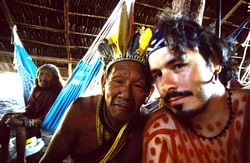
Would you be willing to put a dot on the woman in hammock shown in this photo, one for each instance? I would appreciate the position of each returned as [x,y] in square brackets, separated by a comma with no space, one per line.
[44,93]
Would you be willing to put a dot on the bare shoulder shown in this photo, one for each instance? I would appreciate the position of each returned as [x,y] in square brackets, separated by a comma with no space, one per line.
[241,104]
[81,111]
[240,91]
[84,104]
[161,119]
[241,96]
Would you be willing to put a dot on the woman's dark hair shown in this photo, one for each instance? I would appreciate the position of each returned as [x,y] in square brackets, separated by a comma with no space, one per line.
[57,84]
[181,32]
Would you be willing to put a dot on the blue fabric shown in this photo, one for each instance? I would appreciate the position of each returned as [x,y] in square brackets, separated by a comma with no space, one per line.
[80,79]
[83,74]
[26,69]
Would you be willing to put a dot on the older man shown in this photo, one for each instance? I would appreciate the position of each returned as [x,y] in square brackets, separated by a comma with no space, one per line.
[109,126]
[200,119]
[44,93]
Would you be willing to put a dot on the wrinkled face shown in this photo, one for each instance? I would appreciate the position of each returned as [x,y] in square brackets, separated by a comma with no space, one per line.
[182,79]
[124,90]
[45,78]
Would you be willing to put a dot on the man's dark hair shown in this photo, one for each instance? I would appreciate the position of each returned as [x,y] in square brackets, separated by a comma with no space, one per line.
[55,87]
[181,32]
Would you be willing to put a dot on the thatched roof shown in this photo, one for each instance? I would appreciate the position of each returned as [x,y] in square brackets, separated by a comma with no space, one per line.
[60,32]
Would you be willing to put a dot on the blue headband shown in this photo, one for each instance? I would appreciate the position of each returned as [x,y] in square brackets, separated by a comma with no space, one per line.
[183,30]
[157,41]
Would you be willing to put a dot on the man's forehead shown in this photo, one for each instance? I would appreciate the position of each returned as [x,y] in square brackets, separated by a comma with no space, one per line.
[128,65]
[163,52]
[164,56]
[124,67]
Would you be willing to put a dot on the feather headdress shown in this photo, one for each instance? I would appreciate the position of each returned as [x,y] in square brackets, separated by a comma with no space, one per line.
[127,44]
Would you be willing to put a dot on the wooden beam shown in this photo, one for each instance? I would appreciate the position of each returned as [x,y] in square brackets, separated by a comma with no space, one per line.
[236,57]
[7,14]
[38,6]
[145,25]
[66,28]
[38,27]
[54,45]
[88,15]
[42,58]
[231,11]
[150,6]
[101,17]
[94,35]
[247,3]
[47,44]
[52,29]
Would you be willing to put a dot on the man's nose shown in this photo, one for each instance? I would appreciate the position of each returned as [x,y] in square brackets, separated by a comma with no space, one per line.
[126,92]
[168,81]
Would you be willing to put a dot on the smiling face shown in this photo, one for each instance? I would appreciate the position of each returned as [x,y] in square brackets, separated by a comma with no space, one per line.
[45,78]
[182,79]
[124,90]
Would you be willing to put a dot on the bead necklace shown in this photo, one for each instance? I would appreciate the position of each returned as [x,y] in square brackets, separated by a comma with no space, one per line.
[229,103]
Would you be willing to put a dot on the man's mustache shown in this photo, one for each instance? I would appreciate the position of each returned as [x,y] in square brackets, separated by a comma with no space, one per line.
[176,94]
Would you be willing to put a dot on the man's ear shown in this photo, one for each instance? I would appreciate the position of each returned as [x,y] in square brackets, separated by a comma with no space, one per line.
[103,82]
[217,66]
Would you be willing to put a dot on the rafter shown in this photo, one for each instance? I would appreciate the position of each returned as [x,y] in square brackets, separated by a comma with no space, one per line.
[38,27]
[54,45]
[66,27]
[7,13]
[100,17]
[231,11]
[42,58]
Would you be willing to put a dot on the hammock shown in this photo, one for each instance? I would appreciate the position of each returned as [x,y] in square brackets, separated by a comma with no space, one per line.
[85,71]
[24,65]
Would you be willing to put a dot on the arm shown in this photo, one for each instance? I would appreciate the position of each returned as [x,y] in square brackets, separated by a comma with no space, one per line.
[62,142]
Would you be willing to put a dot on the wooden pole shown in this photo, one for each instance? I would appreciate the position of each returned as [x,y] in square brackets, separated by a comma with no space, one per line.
[231,11]
[66,26]
[191,8]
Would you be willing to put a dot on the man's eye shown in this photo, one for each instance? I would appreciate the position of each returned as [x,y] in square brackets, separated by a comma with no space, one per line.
[139,85]
[178,66]
[117,81]
[156,76]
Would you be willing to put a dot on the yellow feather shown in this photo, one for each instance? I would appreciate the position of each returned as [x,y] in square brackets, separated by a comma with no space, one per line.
[123,30]
[113,40]
[144,40]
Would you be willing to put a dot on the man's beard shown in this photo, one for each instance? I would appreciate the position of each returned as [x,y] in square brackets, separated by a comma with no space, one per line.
[180,112]
[185,116]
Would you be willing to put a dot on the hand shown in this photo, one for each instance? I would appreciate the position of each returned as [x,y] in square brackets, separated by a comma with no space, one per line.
[13,122]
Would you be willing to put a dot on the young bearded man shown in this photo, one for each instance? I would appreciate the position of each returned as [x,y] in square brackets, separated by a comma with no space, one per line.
[200,121]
